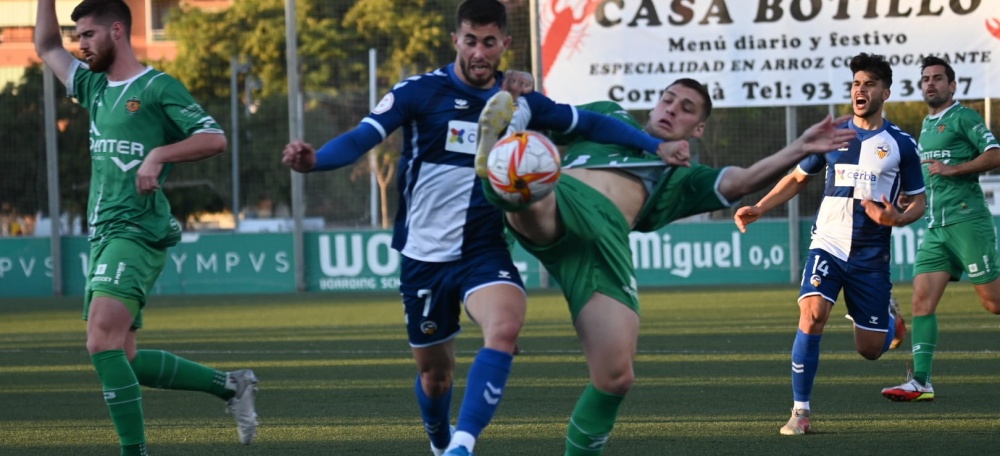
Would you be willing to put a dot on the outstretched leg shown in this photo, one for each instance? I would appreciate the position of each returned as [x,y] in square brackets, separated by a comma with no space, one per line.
[493,123]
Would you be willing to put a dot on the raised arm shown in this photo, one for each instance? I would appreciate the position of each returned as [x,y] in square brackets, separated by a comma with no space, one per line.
[822,137]
[48,41]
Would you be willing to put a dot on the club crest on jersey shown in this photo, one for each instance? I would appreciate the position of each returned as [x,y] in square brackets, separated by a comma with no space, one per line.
[133,105]
[882,150]
[941,128]
[457,136]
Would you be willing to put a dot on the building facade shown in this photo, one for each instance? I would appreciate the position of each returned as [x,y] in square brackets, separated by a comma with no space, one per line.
[149,18]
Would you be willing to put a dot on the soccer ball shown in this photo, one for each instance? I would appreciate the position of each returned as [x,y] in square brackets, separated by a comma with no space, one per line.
[523,167]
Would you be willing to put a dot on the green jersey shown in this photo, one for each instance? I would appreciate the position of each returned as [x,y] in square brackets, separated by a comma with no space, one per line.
[588,154]
[674,192]
[956,135]
[128,119]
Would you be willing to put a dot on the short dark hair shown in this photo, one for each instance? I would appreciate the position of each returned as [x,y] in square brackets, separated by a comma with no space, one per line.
[874,64]
[697,87]
[482,12]
[105,12]
[931,60]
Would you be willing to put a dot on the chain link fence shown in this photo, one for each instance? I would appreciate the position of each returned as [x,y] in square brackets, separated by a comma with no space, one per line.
[248,189]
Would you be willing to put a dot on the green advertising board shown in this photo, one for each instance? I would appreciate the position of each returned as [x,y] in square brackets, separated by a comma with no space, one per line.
[712,253]
[199,264]
[682,254]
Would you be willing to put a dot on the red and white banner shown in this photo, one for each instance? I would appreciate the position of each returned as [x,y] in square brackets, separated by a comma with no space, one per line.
[760,52]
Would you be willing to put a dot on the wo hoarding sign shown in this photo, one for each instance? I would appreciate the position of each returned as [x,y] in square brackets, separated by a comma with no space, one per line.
[760,52]
[365,261]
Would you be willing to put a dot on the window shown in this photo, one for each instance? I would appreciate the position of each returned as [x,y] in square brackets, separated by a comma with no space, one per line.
[68,33]
[159,10]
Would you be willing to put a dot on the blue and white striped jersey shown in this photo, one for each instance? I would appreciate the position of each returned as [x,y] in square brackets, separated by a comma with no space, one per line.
[878,162]
[443,215]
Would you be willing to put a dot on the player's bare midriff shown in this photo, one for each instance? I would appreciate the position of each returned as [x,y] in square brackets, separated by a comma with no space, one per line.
[618,186]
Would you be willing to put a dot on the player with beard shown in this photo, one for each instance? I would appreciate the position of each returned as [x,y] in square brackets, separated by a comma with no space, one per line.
[956,145]
[452,240]
[850,237]
[142,123]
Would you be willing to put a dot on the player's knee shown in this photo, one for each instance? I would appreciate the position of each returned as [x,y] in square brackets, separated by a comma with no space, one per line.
[97,344]
[870,353]
[992,306]
[503,332]
[616,383]
[435,383]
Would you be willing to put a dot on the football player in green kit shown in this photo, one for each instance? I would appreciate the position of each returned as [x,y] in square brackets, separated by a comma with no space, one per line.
[580,230]
[142,121]
[955,146]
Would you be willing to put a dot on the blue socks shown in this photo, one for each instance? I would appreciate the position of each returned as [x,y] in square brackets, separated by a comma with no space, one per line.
[805,363]
[435,415]
[486,383]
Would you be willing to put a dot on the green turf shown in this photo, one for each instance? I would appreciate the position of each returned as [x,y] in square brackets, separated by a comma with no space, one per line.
[337,379]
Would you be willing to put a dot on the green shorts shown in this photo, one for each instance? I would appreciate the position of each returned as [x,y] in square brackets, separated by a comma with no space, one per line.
[593,255]
[123,269]
[969,247]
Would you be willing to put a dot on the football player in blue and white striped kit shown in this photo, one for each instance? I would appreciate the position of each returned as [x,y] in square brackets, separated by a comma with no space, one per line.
[851,236]
[451,239]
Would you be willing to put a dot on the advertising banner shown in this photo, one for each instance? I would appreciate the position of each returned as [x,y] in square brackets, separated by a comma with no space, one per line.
[199,264]
[760,52]
[682,254]
[365,261]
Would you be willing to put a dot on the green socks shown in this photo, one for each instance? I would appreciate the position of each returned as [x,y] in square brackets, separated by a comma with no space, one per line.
[134,450]
[160,369]
[924,337]
[590,425]
[124,398]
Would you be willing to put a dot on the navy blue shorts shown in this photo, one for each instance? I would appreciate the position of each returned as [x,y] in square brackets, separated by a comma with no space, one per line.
[433,292]
[866,291]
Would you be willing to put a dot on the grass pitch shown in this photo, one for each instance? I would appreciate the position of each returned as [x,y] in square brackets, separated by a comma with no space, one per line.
[337,379]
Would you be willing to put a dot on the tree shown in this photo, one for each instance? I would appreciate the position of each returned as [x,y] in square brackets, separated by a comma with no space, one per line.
[22,132]
[254,31]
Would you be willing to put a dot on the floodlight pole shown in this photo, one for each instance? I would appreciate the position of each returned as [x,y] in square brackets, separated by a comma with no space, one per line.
[372,158]
[52,172]
[794,253]
[234,143]
[295,132]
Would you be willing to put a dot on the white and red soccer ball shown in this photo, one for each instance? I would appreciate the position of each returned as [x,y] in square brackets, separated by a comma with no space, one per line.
[524,167]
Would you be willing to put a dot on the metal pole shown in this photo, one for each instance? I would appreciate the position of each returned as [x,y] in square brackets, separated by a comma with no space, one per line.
[52,172]
[234,113]
[988,111]
[536,45]
[372,159]
[794,254]
[295,131]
